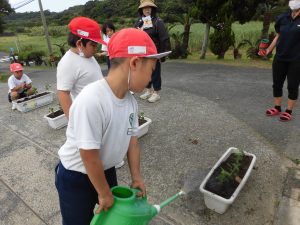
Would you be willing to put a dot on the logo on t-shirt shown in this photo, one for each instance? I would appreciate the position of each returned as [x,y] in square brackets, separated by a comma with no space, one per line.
[131,130]
[131,118]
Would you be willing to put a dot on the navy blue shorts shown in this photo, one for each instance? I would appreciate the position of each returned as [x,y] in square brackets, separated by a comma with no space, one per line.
[77,195]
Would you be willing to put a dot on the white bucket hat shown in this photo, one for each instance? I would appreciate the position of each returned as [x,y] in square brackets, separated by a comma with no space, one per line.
[145,3]
[294,4]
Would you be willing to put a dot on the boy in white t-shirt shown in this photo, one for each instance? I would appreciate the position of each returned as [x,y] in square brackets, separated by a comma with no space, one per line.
[78,67]
[102,130]
[19,84]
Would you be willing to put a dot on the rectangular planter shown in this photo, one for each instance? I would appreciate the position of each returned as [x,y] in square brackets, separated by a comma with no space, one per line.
[33,103]
[57,122]
[216,202]
[143,129]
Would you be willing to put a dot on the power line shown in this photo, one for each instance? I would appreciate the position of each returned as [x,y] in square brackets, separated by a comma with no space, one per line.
[21,4]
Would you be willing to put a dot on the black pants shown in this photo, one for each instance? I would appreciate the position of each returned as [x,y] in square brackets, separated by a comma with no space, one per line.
[283,70]
[156,77]
[77,195]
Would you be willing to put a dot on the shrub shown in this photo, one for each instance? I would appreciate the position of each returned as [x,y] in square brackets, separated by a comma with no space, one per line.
[221,40]
[27,56]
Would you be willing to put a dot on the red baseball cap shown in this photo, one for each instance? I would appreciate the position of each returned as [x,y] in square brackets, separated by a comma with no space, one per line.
[15,67]
[86,28]
[131,42]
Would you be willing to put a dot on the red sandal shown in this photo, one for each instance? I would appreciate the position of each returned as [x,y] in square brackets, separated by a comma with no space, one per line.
[272,112]
[285,117]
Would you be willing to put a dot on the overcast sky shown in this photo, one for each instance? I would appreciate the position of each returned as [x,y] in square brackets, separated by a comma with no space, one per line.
[52,5]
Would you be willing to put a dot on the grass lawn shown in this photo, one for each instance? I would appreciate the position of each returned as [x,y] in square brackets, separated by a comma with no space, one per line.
[4,77]
[228,60]
[34,42]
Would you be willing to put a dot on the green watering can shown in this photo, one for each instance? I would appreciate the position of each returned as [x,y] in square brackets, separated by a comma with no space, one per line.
[128,209]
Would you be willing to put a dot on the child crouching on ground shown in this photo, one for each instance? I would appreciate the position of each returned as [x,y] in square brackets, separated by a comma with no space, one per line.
[102,130]
[19,84]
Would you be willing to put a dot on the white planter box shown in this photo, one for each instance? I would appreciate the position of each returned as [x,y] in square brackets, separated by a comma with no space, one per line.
[33,103]
[143,129]
[216,202]
[57,122]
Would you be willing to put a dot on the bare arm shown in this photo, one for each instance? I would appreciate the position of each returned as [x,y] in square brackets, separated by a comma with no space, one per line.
[95,171]
[28,86]
[133,156]
[273,44]
[65,101]
[19,87]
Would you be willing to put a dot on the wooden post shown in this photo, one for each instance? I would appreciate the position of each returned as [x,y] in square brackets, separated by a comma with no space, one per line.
[45,28]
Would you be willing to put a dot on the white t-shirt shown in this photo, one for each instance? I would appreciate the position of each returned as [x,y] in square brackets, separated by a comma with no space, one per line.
[104,47]
[14,82]
[75,72]
[99,120]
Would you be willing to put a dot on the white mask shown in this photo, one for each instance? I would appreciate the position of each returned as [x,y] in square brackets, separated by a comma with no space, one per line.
[80,52]
[129,76]
[294,5]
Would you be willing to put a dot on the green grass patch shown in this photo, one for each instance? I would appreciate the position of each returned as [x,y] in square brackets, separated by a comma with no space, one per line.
[4,77]
[33,42]
[228,60]
[296,161]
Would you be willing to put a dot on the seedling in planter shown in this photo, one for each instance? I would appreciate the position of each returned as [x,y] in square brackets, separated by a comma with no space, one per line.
[34,90]
[234,169]
[142,116]
[47,87]
[51,110]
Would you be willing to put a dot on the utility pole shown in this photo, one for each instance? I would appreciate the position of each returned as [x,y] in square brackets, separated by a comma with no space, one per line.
[45,27]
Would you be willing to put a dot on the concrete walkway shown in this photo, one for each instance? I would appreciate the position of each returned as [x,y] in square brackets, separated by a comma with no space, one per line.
[204,110]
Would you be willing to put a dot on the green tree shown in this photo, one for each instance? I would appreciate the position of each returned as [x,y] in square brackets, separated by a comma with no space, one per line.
[268,10]
[216,12]
[222,39]
[5,9]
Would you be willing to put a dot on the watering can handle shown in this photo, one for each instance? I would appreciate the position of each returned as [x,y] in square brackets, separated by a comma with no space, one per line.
[135,191]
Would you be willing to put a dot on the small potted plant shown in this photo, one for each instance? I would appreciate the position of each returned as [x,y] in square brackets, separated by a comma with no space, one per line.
[56,118]
[144,123]
[34,101]
[226,179]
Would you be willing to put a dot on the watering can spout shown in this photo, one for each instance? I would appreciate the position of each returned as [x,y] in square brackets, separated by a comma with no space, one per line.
[169,200]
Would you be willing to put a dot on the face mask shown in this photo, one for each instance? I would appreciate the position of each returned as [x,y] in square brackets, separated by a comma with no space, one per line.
[294,5]
[80,52]
[129,76]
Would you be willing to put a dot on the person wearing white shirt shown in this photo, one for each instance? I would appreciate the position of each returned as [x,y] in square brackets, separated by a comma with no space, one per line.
[103,129]
[78,67]
[19,84]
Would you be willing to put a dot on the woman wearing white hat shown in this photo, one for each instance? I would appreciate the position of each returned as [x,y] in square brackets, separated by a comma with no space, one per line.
[155,28]
[286,64]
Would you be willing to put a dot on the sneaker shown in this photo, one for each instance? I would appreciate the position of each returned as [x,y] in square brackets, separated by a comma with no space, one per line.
[131,92]
[119,165]
[146,95]
[13,106]
[154,98]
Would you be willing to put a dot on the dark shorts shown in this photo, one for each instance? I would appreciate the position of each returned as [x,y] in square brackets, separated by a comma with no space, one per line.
[21,95]
[77,195]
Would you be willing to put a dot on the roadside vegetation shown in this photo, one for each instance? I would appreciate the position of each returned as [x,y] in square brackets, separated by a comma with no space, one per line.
[224,33]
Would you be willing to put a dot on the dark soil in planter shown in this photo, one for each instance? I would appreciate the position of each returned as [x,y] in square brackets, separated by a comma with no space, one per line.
[142,121]
[32,97]
[226,189]
[55,114]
